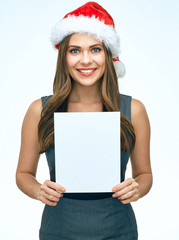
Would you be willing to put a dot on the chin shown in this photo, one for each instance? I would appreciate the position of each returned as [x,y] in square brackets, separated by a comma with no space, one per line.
[87,83]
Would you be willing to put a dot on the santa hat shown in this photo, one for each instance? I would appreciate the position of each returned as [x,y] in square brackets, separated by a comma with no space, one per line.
[93,19]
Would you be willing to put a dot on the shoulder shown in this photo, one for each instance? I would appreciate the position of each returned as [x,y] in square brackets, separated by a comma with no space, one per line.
[34,111]
[36,106]
[138,113]
[137,107]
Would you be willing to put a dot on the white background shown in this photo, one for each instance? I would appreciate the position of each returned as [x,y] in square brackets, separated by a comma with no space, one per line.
[149,43]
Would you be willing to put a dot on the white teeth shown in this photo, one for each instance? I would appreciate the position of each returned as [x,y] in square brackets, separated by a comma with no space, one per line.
[86,71]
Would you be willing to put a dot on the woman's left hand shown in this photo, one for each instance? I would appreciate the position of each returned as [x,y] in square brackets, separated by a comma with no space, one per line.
[127,191]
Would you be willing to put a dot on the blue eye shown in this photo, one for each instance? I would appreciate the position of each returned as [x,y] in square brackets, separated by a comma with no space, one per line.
[74,51]
[96,49]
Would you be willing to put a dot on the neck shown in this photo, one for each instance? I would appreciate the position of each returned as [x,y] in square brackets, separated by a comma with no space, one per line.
[85,94]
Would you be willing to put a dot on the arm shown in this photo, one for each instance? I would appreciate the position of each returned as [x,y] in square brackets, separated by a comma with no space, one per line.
[28,160]
[139,185]
[140,157]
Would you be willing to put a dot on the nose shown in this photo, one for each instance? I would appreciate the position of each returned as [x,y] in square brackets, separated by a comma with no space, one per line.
[86,58]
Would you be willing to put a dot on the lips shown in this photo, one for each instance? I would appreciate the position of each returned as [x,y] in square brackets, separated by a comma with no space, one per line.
[86,70]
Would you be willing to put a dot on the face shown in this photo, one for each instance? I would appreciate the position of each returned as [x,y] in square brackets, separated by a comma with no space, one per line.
[85,59]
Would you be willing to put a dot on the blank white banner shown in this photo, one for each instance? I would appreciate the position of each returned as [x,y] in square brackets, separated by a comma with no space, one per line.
[87,150]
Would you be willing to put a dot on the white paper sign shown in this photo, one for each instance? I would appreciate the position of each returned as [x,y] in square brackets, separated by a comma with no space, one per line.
[87,150]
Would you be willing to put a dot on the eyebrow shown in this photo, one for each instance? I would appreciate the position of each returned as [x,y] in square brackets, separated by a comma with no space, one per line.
[89,46]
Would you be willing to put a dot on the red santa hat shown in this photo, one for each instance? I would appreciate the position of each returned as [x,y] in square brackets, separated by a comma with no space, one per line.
[93,19]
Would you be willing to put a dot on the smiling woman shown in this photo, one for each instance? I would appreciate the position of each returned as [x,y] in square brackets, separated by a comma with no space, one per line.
[86,80]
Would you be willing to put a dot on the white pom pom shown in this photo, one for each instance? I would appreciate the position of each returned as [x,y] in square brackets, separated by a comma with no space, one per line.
[120,68]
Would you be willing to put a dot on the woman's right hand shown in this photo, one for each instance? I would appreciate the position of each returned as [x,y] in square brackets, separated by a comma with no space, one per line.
[50,193]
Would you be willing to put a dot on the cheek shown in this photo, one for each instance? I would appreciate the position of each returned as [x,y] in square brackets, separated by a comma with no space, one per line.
[100,60]
[71,61]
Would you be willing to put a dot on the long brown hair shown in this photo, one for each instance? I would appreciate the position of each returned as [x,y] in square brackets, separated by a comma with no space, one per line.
[58,102]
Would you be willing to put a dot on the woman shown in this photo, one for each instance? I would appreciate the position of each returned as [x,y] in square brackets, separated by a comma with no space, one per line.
[86,80]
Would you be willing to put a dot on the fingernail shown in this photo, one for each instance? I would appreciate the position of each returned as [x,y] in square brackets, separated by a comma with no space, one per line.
[63,189]
[114,189]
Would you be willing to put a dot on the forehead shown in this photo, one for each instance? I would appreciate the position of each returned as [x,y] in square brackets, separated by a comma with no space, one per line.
[83,39]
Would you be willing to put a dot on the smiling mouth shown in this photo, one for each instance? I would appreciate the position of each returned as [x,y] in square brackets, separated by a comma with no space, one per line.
[87,70]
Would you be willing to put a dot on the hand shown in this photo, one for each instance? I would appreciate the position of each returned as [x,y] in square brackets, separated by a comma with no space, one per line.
[127,191]
[50,193]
